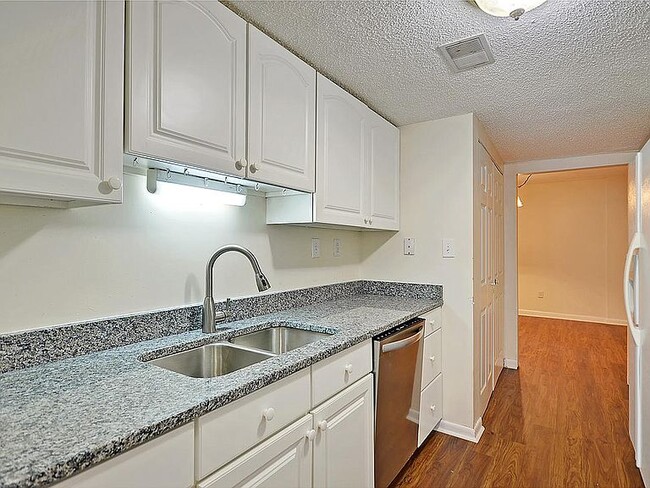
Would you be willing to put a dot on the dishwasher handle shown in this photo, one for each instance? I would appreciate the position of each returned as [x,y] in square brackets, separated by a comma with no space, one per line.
[394,346]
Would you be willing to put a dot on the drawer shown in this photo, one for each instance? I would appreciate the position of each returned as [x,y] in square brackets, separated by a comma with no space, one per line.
[430,408]
[229,431]
[331,375]
[165,462]
[434,321]
[431,357]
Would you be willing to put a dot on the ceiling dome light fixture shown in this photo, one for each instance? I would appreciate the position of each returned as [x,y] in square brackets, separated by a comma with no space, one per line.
[508,8]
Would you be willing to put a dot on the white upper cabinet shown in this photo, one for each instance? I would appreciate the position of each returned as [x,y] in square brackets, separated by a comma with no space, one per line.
[186,84]
[340,156]
[61,102]
[281,115]
[383,174]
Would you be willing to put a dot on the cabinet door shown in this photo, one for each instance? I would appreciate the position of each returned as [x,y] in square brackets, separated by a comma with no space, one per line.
[165,462]
[430,409]
[383,174]
[186,81]
[340,156]
[344,447]
[283,461]
[281,115]
[61,99]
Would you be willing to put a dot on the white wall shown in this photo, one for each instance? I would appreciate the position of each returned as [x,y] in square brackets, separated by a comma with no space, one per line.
[511,170]
[572,237]
[436,202]
[60,266]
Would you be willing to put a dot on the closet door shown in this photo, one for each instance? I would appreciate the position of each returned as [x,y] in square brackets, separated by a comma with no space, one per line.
[281,115]
[186,82]
[61,101]
[340,156]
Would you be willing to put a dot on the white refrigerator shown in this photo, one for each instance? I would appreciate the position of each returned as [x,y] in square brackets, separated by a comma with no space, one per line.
[637,305]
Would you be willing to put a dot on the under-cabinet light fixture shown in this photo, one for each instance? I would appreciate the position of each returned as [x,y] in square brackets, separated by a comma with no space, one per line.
[230,193]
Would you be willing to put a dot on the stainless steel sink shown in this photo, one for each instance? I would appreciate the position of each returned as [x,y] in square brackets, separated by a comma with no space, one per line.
[210,360]
[278,339]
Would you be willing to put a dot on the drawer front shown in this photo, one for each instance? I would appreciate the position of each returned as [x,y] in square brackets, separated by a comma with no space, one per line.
[165,462]
[431,357]
[227,432]
[430,408]
[434,321]
[333,374]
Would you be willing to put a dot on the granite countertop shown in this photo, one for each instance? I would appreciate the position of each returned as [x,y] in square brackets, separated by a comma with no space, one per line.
[61,417]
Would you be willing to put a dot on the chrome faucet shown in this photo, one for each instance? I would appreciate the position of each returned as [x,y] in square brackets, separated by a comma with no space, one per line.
[210,318]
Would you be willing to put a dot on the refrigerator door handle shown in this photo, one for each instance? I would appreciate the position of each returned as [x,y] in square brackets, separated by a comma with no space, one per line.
[635,245]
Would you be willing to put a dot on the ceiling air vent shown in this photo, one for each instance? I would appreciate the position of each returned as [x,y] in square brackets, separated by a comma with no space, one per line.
[467,53]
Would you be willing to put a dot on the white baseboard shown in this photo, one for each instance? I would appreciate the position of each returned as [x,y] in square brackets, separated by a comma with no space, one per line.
[461,431]
[568,316]
[510,363]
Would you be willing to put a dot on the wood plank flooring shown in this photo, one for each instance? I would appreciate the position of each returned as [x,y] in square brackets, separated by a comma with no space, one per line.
[560,420]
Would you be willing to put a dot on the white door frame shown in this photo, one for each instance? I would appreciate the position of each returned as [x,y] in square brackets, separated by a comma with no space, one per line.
[511,170]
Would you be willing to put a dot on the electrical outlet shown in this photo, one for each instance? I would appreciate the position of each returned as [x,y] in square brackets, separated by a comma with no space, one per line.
[409,246]
[448,248]
[540,294]
[336,251]
[315,247]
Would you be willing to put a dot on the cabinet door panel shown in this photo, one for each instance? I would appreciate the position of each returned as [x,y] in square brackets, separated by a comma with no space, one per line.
[281,117]
[283,461]
[383,175]
[340,156]
[430,409]
[61,98]
[344,450]
[187,78]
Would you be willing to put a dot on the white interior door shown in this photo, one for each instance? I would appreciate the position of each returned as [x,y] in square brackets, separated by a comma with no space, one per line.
[484,296]
[186,82]
[643,283]
[498,274]
[281,115]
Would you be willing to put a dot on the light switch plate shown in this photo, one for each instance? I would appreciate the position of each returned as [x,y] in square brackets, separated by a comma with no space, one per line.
[315,247]
[448,248]
[409,246]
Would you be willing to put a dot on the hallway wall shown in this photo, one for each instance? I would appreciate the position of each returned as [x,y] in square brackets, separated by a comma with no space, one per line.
[572,241]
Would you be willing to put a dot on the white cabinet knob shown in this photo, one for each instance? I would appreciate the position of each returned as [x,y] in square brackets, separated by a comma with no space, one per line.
[432,358]
[370,221]
[114,183]
[241,164]
[268,413]
[322,425]
[433,408]
[310,435]
[348,368]
[254,168]
[365,221]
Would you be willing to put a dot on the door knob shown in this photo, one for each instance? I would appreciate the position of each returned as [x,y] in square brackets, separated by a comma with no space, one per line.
[254,168]
[322,425]
[348,368]
[241,164]
[114,183]
[311,434]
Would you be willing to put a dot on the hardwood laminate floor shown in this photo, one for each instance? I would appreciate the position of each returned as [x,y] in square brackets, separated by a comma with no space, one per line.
[560,420]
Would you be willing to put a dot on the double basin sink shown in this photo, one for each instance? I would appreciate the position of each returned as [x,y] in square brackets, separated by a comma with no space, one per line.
[221,358]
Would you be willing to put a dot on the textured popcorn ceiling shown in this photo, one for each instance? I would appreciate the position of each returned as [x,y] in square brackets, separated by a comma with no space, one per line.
[572,77]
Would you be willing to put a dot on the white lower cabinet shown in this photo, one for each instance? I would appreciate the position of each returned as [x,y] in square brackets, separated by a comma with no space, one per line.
[430,408]
[344,444]
[165,462]
[283,461]
[431,380]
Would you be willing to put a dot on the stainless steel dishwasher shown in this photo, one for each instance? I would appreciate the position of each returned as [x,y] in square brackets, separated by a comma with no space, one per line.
[397,368]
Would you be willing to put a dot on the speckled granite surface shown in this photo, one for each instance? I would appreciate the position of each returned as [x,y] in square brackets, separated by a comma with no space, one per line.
[61,417]
[31,348]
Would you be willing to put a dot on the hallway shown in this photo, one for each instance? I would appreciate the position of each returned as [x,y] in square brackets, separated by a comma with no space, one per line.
[560,420]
